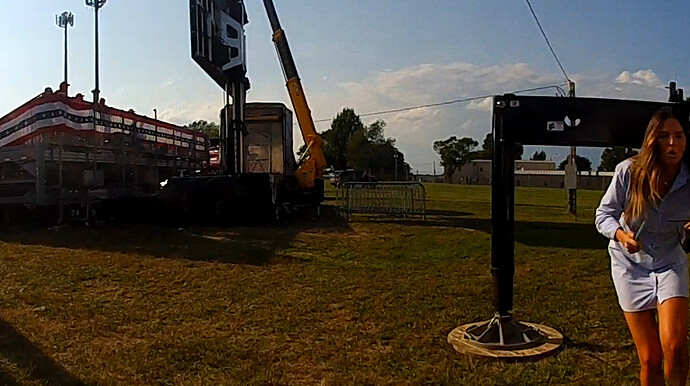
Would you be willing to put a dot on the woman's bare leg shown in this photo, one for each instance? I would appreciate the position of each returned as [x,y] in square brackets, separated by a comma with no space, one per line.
[673,332]
[645,334]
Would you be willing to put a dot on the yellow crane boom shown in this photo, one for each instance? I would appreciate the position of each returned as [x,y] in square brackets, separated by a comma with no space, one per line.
[313,162]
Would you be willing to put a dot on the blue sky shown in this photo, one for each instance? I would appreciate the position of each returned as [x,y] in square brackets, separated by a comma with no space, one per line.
[369,55]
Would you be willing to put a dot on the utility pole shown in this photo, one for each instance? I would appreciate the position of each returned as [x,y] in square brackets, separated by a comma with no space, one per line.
[155,125]
[395,158]
[65,20]
[572,186]
[96,4]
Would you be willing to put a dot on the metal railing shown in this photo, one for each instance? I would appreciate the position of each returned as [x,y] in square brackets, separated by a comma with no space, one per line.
[392,198]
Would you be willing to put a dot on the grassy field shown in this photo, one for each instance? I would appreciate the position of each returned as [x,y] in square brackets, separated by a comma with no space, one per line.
[314,302]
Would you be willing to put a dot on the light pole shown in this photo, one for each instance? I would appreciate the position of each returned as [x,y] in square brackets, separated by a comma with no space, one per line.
[65,20]
[155,135]
[155,125]
[96,4]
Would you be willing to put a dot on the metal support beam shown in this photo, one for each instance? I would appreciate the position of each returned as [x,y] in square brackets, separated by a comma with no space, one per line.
[572,192]
[546,121]
[233,129]
[502,220]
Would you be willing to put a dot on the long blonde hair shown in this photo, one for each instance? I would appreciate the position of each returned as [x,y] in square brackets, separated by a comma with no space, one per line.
[645,171]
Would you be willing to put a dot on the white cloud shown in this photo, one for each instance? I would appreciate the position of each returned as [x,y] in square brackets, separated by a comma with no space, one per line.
[641,78]
[428,83]
[172,80]
[411,124]
[415,115]
[624,77]
[415,130]
[185,113]
[485,104]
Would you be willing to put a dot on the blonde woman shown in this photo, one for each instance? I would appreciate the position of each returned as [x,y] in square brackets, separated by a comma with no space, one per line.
[645,213]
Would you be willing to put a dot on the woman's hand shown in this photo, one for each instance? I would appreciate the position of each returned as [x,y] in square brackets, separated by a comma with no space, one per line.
[629,242]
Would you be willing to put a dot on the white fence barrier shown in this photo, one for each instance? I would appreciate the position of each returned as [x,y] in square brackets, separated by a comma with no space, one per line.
[393,198]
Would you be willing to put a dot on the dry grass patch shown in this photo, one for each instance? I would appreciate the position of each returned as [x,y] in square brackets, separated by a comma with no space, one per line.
[319,301]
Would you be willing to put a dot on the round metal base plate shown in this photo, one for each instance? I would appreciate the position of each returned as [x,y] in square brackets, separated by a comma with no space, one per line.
[554,340]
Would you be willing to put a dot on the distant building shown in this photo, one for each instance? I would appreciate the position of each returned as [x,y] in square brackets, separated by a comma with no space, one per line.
[556,179]
[478,172]
[530,173]
[427,178]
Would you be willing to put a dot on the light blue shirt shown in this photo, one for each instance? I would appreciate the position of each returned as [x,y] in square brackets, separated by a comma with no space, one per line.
[663,232]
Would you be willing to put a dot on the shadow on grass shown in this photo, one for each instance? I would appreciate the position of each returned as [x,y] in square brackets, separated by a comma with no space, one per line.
[447,213]
[6,379]
[531,233]
[18,350]
[229,245]
[594,347]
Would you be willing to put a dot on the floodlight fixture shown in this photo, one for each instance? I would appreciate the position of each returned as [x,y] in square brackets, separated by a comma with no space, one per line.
[95,3]
[64,21]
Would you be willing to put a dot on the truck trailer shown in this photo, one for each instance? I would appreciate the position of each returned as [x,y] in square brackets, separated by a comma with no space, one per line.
[64,152]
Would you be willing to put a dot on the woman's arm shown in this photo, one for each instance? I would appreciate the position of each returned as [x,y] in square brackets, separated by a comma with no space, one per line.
[612,204]
[610,209]
[685,240]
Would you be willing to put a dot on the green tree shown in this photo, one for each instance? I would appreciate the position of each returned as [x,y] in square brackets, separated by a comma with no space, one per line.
[518,150]
[374,132]
[487,151]
[613,156]
[454,153]
[336,138]
[359,152]
[350,143]
[583,164]
[209,128]
[368,150]
[539,156]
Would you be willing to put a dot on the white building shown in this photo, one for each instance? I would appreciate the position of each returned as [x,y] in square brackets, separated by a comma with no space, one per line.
[530,173]
[478,172]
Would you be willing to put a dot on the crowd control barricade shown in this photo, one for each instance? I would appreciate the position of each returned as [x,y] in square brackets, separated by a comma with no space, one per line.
[390,198]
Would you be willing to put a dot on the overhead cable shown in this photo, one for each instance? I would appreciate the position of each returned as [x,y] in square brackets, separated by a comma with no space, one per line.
[547,40]
[557,87]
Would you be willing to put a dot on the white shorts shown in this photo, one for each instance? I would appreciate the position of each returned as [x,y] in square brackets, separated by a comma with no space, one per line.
[641,289]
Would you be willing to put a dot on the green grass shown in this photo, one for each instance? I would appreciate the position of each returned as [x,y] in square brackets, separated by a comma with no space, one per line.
[318,301]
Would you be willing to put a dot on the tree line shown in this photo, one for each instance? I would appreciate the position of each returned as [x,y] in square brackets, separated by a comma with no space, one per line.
[456,152]
[349,143]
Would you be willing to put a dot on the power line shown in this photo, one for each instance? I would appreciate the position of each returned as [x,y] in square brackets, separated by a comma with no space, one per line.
[557,87]
[547,40]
